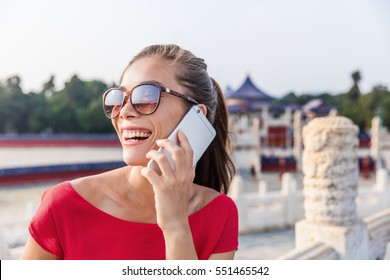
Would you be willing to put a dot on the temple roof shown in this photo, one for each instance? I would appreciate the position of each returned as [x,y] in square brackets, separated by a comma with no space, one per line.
[249,92]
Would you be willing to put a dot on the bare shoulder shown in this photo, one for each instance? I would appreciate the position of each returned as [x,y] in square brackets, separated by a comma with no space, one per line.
[203,196]
[208,193]
[93,187]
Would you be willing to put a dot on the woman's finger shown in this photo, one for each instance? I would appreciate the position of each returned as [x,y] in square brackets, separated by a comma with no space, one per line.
[179,157]
[151,175]
[185,144]
[161,159]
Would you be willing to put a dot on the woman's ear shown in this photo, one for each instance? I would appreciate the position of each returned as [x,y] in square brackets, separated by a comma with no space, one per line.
[203,108]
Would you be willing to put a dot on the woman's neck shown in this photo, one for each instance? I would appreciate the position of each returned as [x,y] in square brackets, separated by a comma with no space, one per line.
[138,183]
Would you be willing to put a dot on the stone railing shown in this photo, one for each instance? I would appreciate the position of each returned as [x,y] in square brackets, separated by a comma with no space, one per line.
[378,226]
[264,209]
[13,237]
[12,242]
[374,198]
[316,251]
[331,194]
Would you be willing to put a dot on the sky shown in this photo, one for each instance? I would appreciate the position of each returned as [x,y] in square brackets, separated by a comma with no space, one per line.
[301,46]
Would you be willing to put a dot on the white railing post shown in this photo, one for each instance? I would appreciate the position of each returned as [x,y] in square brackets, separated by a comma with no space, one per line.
[381,185]
[3,246]
[236,192]
[289,187]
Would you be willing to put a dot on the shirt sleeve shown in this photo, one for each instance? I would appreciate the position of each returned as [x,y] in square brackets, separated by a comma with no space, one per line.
[229,238]
[43,228]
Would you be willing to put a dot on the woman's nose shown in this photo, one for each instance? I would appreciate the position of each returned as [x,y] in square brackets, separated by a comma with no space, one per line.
[128,110]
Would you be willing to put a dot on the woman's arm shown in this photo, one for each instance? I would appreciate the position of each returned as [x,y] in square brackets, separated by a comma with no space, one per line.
[172,193]
[223,256]
[179,244]
[33,251]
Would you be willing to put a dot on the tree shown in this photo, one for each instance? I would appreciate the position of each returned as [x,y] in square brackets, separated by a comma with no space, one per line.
[289,98]
[48,87]
[354,92]
[13,85]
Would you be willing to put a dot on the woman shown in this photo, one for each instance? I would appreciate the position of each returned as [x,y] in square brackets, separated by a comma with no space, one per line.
[132,212]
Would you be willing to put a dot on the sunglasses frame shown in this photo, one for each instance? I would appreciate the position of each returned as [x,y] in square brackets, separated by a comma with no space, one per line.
[130,92]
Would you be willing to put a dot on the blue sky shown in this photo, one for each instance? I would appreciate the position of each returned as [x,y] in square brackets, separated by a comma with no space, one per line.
[305,46]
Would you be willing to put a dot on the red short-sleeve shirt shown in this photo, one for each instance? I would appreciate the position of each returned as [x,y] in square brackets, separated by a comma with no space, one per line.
[69,227]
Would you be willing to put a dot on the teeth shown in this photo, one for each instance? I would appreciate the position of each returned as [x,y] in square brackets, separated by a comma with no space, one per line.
[134,134]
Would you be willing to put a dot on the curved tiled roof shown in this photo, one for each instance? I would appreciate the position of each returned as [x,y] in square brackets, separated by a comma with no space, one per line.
[250,92]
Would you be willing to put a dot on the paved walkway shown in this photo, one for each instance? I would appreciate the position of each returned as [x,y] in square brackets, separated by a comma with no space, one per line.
[265,245]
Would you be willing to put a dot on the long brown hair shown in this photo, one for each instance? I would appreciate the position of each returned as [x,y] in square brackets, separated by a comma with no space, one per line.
[215,168]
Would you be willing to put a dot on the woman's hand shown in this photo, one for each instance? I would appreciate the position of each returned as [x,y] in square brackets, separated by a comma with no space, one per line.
[173,188]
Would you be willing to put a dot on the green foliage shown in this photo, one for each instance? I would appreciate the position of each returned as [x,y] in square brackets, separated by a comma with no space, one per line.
[77,108]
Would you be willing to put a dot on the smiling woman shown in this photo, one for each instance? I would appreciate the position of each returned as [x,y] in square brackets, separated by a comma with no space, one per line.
[134,212]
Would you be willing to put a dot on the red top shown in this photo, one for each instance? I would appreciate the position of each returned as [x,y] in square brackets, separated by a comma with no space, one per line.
[69,227]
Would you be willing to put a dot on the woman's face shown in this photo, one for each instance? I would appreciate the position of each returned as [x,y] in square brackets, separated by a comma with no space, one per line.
[138,133]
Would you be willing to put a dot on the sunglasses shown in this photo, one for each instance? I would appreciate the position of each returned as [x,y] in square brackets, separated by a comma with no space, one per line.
[144,98]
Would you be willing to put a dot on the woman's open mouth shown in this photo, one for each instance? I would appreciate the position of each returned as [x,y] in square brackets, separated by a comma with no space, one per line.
[132,136]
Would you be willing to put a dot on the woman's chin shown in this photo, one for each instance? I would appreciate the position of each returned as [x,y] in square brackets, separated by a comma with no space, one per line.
[131,161]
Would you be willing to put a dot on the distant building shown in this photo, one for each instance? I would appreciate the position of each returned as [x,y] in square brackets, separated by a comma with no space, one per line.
[247,98]
[268,137]
[260,129]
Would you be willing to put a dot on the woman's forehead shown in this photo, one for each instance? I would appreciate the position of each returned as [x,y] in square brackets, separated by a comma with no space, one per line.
[150,69]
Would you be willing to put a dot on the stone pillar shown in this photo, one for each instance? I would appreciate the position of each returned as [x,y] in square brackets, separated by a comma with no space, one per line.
[266,118]
[330,171]
[288,119]
[236,192]
[289,188]
[297,149]
[255,130]
[382,185]
[375,137]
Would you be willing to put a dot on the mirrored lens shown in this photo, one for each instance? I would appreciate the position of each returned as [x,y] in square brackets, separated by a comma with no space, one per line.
[145,98]
[113,102]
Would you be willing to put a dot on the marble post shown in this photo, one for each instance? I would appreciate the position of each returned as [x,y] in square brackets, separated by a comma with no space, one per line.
[375,137]
[288,117]
[330,169]
[297,149]
[265,117]
[255,130]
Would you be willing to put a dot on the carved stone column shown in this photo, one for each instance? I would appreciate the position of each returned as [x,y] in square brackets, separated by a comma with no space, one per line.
[330,169]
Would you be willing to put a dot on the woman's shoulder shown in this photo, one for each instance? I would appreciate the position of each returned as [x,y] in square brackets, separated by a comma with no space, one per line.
[56,195]
[93,187]
[97,179]
[207,197]
[57,191]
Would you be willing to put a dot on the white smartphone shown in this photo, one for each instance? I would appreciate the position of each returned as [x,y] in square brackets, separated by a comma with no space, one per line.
[199,132]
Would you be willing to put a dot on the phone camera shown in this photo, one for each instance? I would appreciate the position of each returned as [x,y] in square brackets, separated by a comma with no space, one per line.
[198,110]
